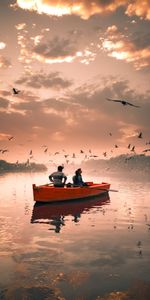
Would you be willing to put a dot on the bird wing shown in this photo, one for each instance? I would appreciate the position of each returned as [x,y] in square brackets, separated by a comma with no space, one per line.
[115,100]
[132,104]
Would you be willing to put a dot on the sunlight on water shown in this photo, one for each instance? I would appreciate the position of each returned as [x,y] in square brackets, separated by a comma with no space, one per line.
[91,249]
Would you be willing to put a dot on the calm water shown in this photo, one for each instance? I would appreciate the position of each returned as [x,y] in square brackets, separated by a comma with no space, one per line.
[95,249]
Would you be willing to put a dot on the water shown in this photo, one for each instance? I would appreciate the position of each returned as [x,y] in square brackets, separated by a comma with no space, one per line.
[95,249]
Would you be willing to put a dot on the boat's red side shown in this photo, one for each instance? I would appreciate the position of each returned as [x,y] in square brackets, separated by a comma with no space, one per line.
[46,193]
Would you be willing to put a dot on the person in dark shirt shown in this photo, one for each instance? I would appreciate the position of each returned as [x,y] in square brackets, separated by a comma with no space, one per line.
[58,178]
[77,178]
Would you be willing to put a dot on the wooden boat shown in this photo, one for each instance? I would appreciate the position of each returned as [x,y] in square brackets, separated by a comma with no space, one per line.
[48,193]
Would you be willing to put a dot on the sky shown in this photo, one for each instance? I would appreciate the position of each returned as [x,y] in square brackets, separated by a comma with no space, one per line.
[66,58]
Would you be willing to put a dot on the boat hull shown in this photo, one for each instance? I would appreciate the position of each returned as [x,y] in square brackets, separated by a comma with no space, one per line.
[46,193]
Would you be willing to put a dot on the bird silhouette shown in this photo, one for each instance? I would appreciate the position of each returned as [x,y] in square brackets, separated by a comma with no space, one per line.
[15,91]
[133,148]
[146,150]
[129,146]
[10,138]
[140,135]
[123,102]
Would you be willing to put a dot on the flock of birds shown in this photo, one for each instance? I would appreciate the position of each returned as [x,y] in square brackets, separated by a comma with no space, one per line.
[88,155]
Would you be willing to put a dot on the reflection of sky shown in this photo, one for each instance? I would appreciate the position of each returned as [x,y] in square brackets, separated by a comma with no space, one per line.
[108,244]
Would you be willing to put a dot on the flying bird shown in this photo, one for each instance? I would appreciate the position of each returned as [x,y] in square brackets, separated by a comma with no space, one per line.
[105,154]
[10,138]
[133,148]
[146,150]
[140,135]
[123,102]
[15,91]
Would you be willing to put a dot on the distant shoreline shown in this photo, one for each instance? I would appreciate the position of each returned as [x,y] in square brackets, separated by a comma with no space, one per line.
[6,167]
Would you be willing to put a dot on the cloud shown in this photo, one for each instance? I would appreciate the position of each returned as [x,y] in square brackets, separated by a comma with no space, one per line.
[83,8]
[52,80]
[139,8]
[60,50]
[119,46]
[56,50]
[4,62]
[86,8]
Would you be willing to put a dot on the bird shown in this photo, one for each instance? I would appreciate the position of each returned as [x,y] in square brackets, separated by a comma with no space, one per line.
[123,102]
[129,146]
[133,148]
[146,150]
[116,146]
[140,135]
[15,91]
[4,150]
[10,138]
[81,151]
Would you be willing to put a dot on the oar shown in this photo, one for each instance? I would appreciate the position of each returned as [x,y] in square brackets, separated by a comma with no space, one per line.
[109,190]
[101,189]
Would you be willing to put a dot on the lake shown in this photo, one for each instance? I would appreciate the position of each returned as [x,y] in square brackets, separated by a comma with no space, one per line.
[90,249]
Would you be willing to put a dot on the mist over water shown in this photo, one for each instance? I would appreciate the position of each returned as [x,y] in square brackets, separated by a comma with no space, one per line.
[78,250]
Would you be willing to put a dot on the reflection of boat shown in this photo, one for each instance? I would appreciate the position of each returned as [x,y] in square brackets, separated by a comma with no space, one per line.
[57,211]
[47,193]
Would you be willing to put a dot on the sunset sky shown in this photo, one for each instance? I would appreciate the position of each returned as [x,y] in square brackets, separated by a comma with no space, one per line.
[66,57]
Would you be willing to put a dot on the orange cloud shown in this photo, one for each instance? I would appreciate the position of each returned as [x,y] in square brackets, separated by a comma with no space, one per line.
[85,8]
[119,46]
[139,8]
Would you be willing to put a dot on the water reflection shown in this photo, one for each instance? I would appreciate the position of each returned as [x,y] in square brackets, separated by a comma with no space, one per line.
[55,213]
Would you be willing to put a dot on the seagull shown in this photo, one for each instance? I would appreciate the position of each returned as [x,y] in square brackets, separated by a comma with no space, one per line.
[10,138]
[146,150]
[123,102]
[133,148]
[15,91]
[140,135]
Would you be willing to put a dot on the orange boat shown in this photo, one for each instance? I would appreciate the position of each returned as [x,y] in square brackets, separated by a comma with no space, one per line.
[48,193]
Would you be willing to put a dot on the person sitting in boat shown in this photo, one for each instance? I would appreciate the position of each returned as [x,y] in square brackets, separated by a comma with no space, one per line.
[77,178]
[58,178]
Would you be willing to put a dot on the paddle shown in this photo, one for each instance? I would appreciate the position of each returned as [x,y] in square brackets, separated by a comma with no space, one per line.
[101,189]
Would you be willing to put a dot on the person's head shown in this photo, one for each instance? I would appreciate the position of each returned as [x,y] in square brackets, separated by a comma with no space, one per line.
[60,168]
[78,171]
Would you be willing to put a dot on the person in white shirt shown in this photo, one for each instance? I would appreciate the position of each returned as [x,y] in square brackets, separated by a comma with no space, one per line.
[58,178]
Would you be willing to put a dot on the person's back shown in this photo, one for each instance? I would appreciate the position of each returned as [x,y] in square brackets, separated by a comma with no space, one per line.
[58,178]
